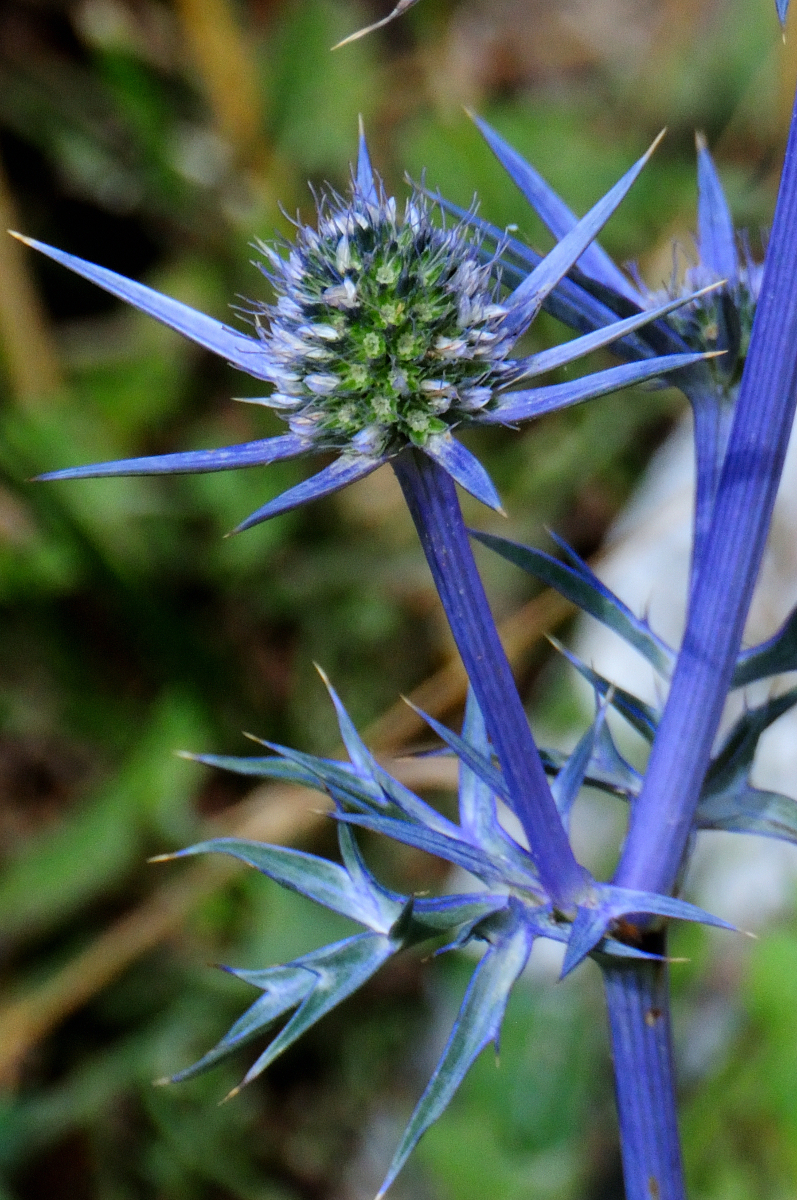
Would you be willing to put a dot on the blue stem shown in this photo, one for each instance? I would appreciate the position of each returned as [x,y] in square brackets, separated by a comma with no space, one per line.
[663,814]
[712,421]
[637,996]
[433,503]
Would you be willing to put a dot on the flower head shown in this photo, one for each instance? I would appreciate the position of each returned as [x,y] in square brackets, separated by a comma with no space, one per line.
[716,320]
[388,332]
[721,319]
[388,329]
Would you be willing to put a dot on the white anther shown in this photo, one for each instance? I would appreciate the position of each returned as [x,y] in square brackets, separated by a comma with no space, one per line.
[342,295]
[321,385]
[474,398]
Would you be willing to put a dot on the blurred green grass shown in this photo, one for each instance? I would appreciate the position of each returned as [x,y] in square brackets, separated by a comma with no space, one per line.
[158,139]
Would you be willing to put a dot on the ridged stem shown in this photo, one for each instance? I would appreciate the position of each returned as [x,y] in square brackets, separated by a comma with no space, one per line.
[662,817]
[637,997]
[433,503]
[712,421]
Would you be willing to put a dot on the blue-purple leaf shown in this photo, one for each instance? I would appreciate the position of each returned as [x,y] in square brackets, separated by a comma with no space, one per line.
[553,211]
[451,849]
[610,902]
[329,773]
[464,467]
[317,878]
[248,354]
[226,458]
[466,753]
[716,236]
[365,174]
[478,1023]
[386,788]
[527,299]
[569,302]
[570,780]
[579,584]
[567,352]
[640,716]
[340,473]
[522,405]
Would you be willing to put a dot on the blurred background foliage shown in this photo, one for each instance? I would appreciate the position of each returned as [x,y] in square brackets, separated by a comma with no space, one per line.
[157,137]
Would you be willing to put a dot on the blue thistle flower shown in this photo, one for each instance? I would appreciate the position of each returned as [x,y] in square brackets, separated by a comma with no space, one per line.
[388,333]
[720,319]
[716,320]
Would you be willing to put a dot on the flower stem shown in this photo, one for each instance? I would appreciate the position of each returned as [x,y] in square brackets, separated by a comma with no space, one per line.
[712,423]
[433,503]
[637,997]
[662,816]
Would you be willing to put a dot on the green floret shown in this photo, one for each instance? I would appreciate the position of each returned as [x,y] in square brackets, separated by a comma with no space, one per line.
[408,321]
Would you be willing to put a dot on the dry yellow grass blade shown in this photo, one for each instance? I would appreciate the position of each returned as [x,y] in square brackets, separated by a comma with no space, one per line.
[223,58]
[27,346]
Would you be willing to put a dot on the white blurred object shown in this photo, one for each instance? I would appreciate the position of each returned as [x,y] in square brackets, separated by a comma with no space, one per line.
[744,878]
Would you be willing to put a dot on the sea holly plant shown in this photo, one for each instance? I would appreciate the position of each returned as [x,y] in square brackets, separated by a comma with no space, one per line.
[390,331]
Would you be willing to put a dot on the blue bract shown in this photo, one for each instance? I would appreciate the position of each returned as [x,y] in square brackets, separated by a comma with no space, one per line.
[721,319]
[716,320]
[389,332]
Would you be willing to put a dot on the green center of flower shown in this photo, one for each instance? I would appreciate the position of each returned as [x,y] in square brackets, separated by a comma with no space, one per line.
[391,333]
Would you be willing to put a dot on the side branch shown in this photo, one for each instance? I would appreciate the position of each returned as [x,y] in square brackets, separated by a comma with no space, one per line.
[729,562]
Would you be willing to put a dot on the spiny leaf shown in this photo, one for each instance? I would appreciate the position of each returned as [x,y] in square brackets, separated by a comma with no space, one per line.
[343,471]
[772,657]
[272,767]
[339,970]
[477,809]
[528,297]
[478,1023]
[525,404]
[317,878]
[465,468]
[387,905]
[477,762]
[610,902]
[746,809]
[287,987]
[728,800]
[329,773]
[716,236]
[735,757]
[450,849]
[571,302]
[579,584]
[570,780]
[639,715]
[553,211]
[385,786]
